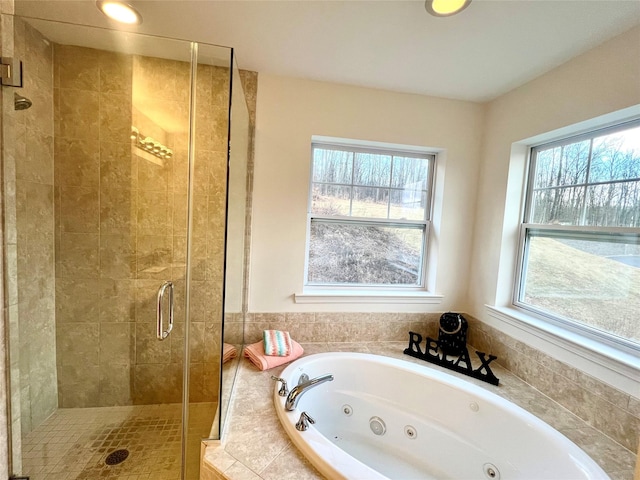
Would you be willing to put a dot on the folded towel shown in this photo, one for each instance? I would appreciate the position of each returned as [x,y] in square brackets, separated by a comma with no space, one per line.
[255,353]
[228,352]
[276,343]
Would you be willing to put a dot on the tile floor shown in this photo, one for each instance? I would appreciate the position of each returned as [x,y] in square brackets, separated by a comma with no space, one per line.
[73,444]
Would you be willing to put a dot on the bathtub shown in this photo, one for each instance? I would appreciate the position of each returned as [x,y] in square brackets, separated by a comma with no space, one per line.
[382,418]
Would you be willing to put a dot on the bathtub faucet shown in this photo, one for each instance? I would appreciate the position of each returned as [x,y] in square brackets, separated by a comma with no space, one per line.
[296,392]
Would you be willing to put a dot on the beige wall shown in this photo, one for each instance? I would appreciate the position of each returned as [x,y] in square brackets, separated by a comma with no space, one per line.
[481,193]
[289,112]
[601,81]
[595,84]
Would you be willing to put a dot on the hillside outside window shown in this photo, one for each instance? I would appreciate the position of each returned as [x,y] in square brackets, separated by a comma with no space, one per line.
[368,217]
[580,235]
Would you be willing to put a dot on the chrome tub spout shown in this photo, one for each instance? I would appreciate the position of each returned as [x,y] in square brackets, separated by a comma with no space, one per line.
[299,390]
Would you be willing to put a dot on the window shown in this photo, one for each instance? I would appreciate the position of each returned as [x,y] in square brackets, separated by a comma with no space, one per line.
[368,217]
[580,236]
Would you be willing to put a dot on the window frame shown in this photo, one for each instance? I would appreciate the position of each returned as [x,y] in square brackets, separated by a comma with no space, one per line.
[425,225]
[527,227]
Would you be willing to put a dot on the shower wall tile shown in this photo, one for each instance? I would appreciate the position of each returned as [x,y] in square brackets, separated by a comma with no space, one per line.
[204,86]
[115,118]
[157,75]
[36,273]
[129,233]
[117,300]
[196,342]
[77,343]
[148,349]
[10,204]
[201,295]
[81,385]
[28,199]
[153,177]
[77,300]
[117,256]
[35,207]
[179,217]
[117,209]
[77,163]
[157,383]
[154,212]
[115,384]
[37,164]
[145,306]
[78,114]
[11,276]
[153,257]
[200,216]
[177,343]
[77,68]
[39,117]
[40,58]
[79,210]
[118,167]
[79,255]
[180,170]
[116,345]
[116,71]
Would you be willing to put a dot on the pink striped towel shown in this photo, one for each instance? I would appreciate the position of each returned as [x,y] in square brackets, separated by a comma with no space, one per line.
[276,343]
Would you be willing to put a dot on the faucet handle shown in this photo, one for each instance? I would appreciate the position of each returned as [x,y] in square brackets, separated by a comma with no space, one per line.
[284,391]
[303,423]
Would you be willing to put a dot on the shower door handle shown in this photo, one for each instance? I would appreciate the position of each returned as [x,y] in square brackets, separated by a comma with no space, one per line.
[161,333]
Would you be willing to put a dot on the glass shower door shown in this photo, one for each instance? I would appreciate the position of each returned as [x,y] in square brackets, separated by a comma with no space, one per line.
[99,175]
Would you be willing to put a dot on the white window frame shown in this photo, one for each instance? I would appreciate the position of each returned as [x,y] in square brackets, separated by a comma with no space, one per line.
[567,231]
[371,293]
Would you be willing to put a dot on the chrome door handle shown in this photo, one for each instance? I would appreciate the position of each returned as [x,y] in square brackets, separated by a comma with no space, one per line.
[161,333]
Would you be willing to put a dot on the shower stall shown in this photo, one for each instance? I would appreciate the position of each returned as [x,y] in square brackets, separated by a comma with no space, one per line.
[124,162]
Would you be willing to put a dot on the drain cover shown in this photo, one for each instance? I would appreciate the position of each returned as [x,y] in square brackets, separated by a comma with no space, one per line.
[116,457]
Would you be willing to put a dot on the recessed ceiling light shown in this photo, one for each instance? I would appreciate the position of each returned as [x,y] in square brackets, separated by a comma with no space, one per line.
[444,8]
[120,12]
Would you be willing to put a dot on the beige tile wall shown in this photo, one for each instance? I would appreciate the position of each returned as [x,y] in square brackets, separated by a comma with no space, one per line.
[607,409]
[29,229]
[122,223]
[94,238]
[615,413]
[6,32]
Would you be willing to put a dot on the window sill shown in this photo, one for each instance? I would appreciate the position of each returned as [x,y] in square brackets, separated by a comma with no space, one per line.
[581,348]
[362,296]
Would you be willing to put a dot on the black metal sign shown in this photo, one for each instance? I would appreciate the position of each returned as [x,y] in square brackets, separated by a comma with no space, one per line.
[433,353]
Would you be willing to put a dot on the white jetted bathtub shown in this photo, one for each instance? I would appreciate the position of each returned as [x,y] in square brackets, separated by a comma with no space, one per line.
[382,418]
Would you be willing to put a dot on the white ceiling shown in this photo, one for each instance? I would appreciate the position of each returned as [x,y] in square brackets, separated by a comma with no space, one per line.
[490,48]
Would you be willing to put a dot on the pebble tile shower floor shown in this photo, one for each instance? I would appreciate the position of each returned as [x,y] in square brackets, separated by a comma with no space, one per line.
[73,444]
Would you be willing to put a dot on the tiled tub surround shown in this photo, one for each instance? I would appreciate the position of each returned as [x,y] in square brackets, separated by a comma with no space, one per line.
[254,445]
[602,407]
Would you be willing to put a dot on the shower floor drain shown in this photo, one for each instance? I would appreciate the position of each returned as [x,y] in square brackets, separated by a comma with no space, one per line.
[116,457]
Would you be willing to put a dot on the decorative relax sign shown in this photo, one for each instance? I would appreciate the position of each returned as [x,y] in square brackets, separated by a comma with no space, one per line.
[433,353]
